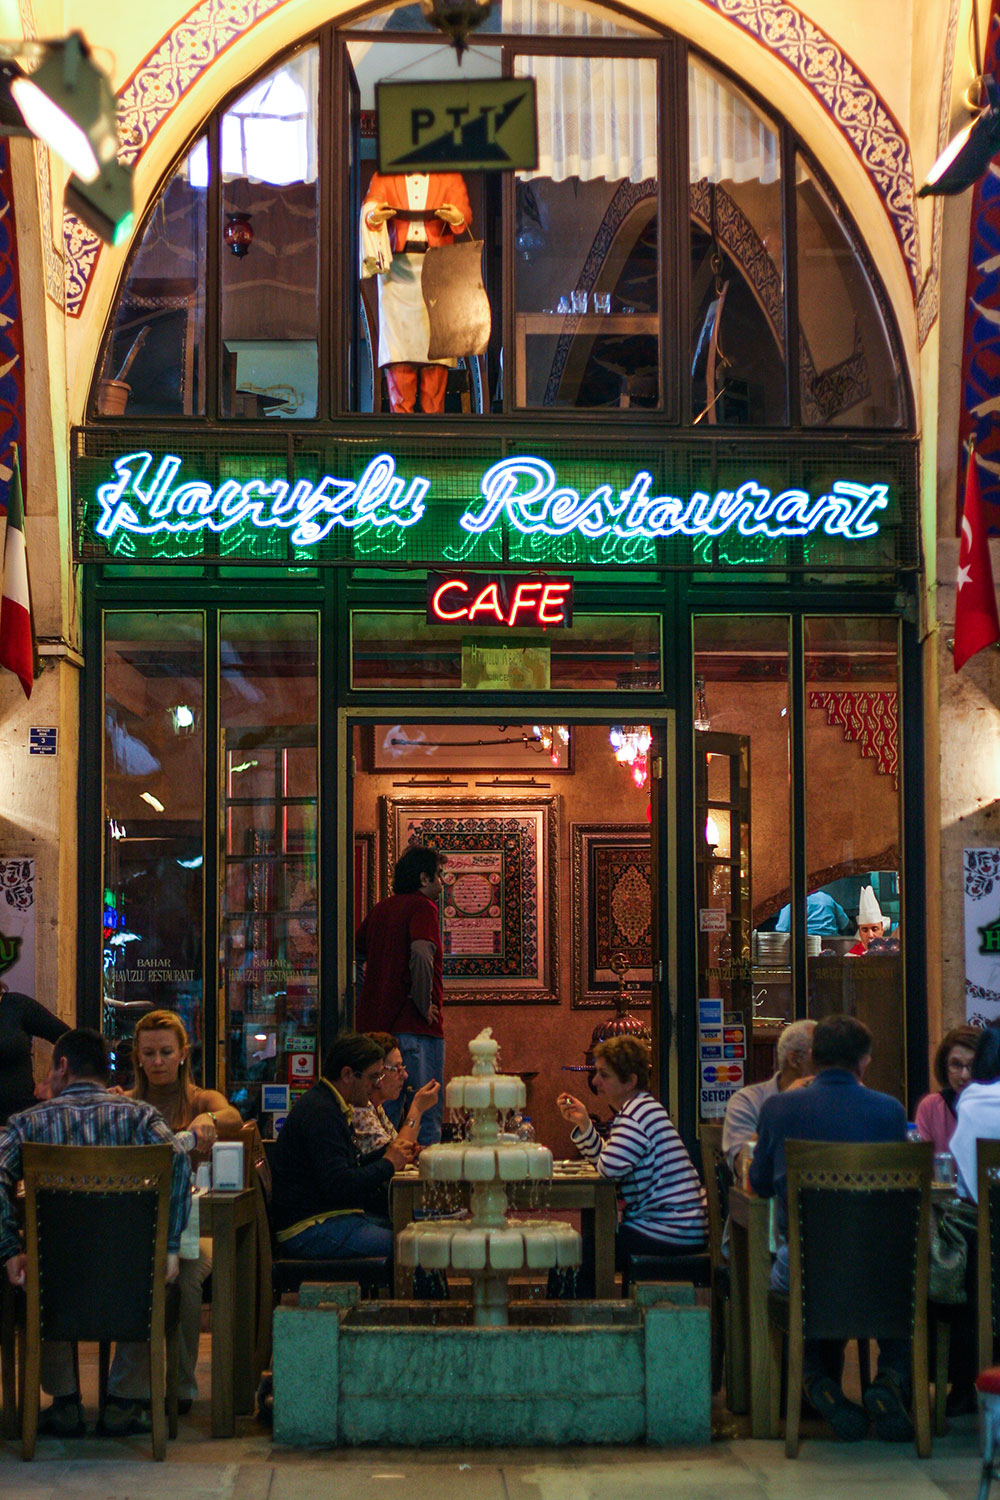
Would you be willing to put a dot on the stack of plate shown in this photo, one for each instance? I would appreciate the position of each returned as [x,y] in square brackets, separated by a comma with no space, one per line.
[772,949]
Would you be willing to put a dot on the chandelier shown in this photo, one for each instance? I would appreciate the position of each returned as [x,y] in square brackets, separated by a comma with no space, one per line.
[552,738]
[631,743]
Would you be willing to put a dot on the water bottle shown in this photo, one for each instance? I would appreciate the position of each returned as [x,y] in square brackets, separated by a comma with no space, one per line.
[525,1130]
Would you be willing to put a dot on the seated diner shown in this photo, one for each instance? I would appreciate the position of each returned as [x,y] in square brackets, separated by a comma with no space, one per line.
[331,1200]
[664,1202]
[370,1124]
[937,1114]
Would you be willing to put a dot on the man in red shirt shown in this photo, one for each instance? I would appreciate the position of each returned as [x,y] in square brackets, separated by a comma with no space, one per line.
[403,989]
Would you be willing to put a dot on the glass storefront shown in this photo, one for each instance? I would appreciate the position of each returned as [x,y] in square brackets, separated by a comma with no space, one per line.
[704,754]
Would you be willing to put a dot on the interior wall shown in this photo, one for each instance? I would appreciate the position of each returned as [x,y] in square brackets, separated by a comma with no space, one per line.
[540,1038]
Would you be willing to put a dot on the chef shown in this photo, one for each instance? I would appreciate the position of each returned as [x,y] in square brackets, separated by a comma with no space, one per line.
[871,923]
[392,248]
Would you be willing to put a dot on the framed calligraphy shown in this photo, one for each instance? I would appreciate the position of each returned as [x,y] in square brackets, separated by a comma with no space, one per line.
[499,907]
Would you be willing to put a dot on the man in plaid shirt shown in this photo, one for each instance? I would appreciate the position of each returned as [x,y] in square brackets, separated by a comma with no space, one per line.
[81,1112]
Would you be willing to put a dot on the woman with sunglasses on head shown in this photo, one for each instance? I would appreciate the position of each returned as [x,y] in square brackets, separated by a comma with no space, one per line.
[371,1125]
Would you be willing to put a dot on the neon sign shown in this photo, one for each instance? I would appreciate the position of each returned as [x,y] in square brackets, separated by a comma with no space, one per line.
[522,493]
[498,600]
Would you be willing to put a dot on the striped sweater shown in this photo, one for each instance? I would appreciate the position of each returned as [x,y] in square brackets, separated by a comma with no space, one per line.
[645,1156]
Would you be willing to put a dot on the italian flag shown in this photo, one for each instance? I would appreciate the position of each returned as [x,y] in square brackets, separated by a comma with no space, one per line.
[17,630]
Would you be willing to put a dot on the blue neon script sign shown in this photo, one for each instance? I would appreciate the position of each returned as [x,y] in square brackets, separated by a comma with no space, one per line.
[524,492]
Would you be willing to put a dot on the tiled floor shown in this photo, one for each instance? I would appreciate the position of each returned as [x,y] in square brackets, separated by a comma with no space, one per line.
[248,1467]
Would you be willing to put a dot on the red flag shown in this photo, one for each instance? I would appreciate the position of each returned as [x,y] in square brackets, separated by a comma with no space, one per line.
[976,622]
[17,629]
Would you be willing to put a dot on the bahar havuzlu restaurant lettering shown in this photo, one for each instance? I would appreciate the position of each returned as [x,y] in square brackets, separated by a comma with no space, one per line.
[153,506]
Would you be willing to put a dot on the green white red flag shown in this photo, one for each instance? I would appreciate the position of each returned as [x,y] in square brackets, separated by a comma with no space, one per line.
[17,627]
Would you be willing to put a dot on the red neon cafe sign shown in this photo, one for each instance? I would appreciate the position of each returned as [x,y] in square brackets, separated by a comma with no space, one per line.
[499,601]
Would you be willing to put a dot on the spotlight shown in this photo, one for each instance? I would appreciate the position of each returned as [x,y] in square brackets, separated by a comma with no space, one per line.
[970,153]
[67,103]
[105,204]
[11,118]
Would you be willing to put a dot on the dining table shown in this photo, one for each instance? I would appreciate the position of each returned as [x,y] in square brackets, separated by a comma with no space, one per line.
[230,1221]
[750,1275]
[574,1185]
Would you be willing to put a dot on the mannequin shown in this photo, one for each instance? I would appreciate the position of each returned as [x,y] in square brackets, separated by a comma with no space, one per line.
[392,248]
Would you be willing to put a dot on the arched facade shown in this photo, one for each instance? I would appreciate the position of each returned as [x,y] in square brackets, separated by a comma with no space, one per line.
[750,615]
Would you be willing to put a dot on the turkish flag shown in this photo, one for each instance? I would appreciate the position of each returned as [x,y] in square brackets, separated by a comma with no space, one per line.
[976,622]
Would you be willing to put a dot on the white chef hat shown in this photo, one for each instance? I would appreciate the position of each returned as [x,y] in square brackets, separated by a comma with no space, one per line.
[869,910]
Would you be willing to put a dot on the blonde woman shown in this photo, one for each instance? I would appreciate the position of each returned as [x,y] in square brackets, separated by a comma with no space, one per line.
[163,1078]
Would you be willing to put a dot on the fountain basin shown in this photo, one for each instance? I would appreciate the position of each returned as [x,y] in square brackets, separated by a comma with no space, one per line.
[538,1244]
[504,1160]
[488,1091]
[563,1372]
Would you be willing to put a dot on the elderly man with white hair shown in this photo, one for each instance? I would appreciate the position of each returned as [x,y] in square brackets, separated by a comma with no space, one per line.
[743,1110]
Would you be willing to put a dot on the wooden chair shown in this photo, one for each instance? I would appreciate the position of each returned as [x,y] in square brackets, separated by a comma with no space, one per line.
[96,1241]
[858,1235]
[717,1179]
[988,1249]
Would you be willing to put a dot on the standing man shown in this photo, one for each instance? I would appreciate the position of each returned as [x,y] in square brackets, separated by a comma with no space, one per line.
[392,248]
[795,1064]
[403,989]
[79,1111]
[836,1107]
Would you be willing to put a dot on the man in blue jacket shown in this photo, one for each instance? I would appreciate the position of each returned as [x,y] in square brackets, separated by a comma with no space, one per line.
[836,1107]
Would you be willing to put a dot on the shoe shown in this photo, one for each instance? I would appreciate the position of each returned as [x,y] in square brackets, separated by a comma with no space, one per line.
[962,1401]
[885,1405]
[64,1418]
[265,1401]
[845,1417]
[123,1418]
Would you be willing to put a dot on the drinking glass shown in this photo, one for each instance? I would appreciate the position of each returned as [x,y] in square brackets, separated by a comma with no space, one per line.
[944,1168]
[602,302]
[562,306]
[579,301]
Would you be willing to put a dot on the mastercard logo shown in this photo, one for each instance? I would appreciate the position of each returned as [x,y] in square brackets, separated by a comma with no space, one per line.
[722,1073]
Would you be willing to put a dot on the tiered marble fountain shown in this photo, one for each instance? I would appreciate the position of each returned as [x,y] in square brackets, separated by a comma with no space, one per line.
[488,1246]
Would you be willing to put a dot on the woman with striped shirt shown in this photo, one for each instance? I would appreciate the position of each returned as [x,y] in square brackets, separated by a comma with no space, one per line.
[664,1201]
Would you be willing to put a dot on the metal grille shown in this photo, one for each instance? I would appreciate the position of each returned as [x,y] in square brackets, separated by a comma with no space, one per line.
[173,497]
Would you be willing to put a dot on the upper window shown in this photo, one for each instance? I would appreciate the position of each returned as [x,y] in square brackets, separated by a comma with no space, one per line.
[281,277]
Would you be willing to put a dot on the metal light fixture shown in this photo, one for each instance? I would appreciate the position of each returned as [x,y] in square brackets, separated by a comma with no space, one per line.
[104,205]
[631,744]
[702,722]
[456,18]
[68,103]
[966,158]
[238,234]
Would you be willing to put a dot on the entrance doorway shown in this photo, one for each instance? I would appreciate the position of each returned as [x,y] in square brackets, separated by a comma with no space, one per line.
[556,881]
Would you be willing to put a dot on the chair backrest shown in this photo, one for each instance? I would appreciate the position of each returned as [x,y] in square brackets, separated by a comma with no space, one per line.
[988,1193]
[717,1179]
[96,1238]
[858,1235]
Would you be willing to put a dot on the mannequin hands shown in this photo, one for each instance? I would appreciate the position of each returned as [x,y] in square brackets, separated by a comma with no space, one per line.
[380,214]
[450,214]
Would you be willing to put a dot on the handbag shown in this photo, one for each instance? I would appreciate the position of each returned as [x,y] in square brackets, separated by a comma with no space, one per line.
[949,1250]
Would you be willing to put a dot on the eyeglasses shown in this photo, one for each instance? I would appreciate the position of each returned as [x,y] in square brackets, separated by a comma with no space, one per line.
[394,1068]
[958,1067]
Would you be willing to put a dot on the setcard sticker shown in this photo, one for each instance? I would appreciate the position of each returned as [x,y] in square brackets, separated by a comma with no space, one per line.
[712,1101]
[301,1066]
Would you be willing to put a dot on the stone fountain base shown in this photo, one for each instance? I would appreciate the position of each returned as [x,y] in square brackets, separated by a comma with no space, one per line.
[415,1373]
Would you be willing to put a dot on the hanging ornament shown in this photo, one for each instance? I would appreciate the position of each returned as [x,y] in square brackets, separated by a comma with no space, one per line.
[238,234]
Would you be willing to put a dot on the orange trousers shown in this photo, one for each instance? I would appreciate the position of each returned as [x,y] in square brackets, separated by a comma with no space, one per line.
[405,381]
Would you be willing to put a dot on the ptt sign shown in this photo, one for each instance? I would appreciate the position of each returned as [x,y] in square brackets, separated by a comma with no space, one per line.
[476,125]
[498,601]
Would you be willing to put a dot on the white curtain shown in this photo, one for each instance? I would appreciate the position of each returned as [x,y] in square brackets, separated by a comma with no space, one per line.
[728,140]
[597,117]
